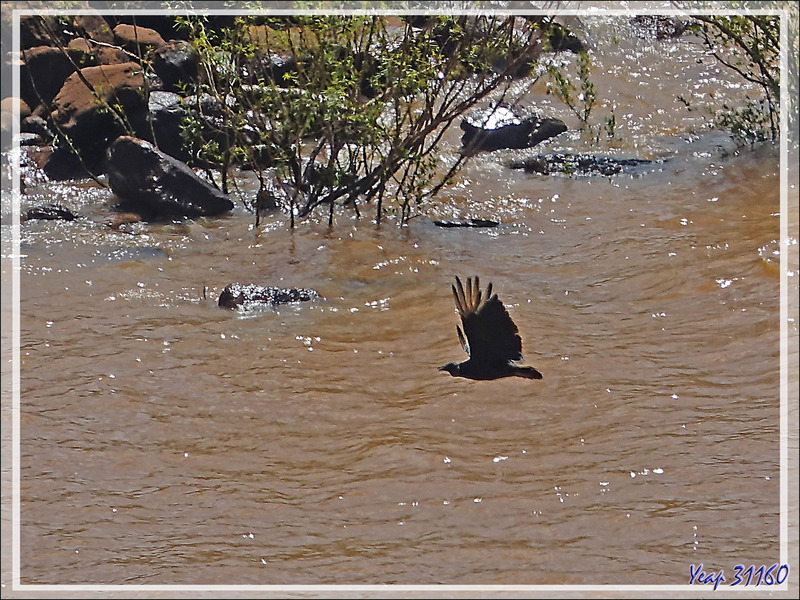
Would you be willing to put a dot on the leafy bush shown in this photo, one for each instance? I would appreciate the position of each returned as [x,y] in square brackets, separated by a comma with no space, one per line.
[347,109]
[750,45]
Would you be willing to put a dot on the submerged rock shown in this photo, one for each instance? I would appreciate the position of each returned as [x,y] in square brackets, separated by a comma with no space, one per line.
[503,127]
[250,295]
[577,164]
[155,184]
[53,212]
[466,223]
[560,39]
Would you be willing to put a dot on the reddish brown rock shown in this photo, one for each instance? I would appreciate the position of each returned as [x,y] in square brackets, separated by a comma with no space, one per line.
[138,40]
[103,55]
[85,115]
[94,27]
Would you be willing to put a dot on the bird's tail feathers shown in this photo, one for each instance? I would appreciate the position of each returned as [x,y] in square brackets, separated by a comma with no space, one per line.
[527,372]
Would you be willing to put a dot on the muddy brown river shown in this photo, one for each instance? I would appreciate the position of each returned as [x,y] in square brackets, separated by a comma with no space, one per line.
[165,441]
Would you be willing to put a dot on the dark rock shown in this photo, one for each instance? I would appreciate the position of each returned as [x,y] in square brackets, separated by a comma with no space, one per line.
[53,212]
[519,64]
[278,66]
[37,30]
[44,70]
[137,40]
[85,115]
[176,64]
[271,60]
[267,199]
[61,163]
[467,223]
[503,128]
[36,125]
[166,115]
[249,296]
[560,39]
[155,184]
[267,63]
[419,21]
[209,114]
[577,164]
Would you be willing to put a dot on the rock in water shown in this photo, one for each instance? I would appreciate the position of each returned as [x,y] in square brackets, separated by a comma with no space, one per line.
[52,212]
[158,185]
[84,113]
[466,223]
[249,296]
[579,164]
[502,127]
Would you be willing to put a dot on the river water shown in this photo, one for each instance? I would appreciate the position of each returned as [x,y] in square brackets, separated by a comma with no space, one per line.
[167,441]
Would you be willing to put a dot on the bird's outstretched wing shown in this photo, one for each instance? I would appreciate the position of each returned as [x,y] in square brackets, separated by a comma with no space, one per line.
[492,337]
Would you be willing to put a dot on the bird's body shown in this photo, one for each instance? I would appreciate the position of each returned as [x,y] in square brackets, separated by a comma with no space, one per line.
[490,337]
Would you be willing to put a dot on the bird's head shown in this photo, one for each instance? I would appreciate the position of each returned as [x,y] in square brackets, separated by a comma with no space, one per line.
[453,368]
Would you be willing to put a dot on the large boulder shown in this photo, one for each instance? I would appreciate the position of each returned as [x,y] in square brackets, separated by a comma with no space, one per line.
[176,64]
[503,127]
[45,69]
[164,119]
[157,185]
[85,114]
[137,40]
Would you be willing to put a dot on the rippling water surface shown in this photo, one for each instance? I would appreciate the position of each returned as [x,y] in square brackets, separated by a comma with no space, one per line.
[165,440]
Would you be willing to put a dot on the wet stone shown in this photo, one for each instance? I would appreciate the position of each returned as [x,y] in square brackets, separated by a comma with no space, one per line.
[578,164]
[505,127]
[252,296]
[52,212]
[466,223]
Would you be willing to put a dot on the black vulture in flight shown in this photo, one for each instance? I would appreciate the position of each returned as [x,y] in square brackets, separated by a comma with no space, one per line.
[492,339]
